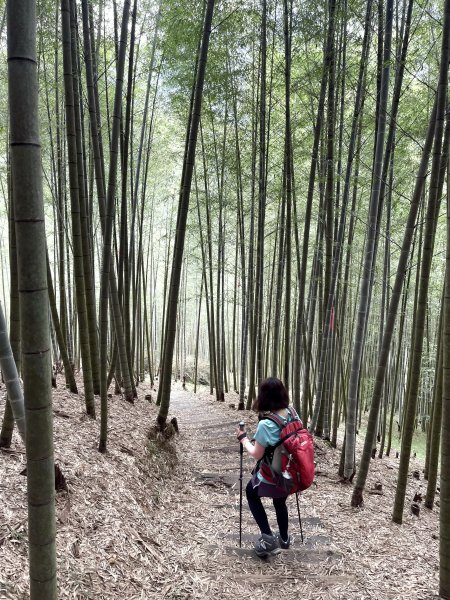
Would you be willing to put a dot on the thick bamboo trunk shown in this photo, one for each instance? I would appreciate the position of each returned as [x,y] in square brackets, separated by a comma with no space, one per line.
[70,379]
[99,170]
[307,219]
[85,230]
[172,305]
[444,515]
[32,283]
[436,424]
[106,280]
[11,378]
[14,320]
[75,207]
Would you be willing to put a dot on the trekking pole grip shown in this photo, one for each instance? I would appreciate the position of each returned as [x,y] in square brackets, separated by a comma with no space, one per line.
[241,449]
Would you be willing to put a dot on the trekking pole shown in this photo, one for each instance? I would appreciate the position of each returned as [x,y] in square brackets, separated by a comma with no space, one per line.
[299,518]
[241,452]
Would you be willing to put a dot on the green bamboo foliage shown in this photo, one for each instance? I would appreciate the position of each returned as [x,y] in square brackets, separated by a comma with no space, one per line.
[32,283]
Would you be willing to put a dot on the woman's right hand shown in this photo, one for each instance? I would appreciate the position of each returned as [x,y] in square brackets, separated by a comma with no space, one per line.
[241,434]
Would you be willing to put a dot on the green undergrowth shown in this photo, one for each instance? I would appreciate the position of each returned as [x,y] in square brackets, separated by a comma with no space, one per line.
[418,445]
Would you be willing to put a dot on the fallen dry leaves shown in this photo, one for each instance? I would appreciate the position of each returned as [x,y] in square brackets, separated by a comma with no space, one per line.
[127,529]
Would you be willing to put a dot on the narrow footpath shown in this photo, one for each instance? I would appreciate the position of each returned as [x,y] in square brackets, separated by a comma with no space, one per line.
[346,553]
[209,448]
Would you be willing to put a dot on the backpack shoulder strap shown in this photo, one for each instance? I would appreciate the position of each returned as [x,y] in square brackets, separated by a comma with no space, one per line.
[275,419]
[268,453]
[294,415]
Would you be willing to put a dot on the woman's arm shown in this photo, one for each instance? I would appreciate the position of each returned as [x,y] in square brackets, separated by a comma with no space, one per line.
[256,450]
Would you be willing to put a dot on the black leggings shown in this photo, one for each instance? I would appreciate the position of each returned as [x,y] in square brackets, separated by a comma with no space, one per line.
[259,514]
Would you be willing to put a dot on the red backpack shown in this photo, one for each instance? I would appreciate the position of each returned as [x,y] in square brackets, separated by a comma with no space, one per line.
[289,464]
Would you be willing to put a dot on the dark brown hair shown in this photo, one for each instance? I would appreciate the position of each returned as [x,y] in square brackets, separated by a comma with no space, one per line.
[272,395]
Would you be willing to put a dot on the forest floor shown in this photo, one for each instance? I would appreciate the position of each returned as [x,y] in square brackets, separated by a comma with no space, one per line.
[136,525]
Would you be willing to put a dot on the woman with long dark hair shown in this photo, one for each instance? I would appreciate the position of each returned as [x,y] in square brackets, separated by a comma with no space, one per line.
[272,398]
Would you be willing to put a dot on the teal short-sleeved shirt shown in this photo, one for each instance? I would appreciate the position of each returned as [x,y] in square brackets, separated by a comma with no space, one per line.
[268,434]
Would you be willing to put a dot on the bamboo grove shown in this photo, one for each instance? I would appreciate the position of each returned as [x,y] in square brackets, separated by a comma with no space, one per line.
[233,191]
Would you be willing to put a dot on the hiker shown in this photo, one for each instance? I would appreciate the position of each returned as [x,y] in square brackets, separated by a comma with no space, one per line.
[273,399]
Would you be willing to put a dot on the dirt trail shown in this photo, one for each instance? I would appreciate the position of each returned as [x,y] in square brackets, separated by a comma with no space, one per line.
[210,458]
[347,553]
[132,527]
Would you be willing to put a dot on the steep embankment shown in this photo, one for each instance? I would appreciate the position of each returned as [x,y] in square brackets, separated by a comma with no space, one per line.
[133,526]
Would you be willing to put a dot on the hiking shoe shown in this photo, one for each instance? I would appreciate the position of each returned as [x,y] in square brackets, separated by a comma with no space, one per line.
[284,544]
[267,544]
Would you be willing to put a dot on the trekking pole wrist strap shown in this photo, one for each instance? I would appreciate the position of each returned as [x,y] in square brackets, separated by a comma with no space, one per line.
[242,436]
